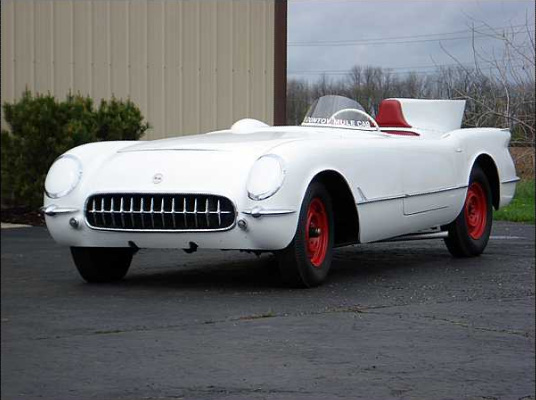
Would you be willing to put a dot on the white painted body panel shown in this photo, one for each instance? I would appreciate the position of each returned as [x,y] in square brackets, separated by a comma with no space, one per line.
[400,184]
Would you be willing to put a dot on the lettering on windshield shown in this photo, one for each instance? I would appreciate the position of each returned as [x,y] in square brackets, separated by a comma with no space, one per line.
[337,122]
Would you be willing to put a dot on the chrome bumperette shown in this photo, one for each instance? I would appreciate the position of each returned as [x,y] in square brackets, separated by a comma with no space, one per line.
[257,212]
[159,212]
[53,209]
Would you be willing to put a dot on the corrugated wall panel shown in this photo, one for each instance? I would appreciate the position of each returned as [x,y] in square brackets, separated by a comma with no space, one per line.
[137,53]
[100,63]
[119,36]
[240,40]
[8,51]
[191,66]
[224,55]
[207,65]
[172,68]
[82,46]
[257,61]
[155,71]
[63,48]
[269,43]
[43,50]
[24,77]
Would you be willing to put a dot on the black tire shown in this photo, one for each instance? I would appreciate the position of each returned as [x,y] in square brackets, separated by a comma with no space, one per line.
[102,264]
[467,239]
[295,262]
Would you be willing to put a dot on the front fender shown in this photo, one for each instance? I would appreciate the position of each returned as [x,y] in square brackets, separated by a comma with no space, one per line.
[91,156]
[302,167]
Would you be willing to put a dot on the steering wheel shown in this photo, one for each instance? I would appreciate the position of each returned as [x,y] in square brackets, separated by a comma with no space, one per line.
[359,112]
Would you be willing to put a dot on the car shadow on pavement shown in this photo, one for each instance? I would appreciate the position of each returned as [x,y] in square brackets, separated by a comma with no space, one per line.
[238,272]
[232,274]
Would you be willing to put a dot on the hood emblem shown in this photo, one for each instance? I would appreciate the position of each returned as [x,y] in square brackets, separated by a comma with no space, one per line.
[157,178]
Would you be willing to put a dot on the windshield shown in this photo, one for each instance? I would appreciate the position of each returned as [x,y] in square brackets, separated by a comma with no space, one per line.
[336,111]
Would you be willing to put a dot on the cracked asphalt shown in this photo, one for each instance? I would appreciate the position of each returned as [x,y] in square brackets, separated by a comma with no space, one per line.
[395,321]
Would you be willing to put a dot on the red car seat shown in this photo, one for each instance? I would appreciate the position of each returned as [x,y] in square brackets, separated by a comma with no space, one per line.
[390,116]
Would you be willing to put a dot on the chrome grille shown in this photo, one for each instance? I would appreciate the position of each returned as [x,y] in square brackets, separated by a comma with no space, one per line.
[159,212]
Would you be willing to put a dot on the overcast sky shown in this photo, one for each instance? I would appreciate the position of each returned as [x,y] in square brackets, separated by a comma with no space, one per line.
[417,24]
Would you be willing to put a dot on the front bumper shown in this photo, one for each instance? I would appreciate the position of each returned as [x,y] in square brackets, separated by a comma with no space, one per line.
[261,229]
[192,173]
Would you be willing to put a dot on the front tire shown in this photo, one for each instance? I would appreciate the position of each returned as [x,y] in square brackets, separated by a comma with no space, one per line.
[306,261]
[469,232]
[102,264]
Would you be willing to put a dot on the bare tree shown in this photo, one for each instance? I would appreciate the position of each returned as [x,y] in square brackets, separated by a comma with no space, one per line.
[499,87]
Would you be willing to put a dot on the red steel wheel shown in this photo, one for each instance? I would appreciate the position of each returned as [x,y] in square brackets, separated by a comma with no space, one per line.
[469,233]
[476,210]
[317,232]
[306,261]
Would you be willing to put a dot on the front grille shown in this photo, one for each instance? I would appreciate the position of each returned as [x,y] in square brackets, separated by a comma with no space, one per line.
[160,212]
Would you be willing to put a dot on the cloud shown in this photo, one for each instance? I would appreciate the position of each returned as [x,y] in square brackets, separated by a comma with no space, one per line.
[421,21]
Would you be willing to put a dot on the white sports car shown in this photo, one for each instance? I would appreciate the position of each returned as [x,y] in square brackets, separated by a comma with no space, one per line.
[340,178]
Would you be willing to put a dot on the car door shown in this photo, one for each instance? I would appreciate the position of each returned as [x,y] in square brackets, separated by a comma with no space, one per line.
[430,169]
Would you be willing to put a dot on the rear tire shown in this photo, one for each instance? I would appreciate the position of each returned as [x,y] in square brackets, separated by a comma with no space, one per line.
[102,264]
[306,261]
[469,232]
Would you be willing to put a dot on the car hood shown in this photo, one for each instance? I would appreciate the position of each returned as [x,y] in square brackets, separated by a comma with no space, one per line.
[260,141]
[217,163]
[220,141]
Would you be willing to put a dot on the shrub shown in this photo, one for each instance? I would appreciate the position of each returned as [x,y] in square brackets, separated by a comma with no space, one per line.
[41,128]
[119,120]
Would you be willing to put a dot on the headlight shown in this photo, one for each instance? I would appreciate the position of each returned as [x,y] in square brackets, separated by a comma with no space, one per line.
[63,176]
[266,177]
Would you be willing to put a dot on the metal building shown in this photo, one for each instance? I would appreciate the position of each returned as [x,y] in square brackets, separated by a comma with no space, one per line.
[191,66]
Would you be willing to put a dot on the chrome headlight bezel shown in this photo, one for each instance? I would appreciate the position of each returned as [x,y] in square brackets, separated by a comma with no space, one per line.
[77,176]
[277,179]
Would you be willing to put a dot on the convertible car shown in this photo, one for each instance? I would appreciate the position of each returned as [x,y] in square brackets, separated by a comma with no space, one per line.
[342,177]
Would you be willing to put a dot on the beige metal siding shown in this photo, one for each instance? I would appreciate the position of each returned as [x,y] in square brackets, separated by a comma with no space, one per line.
[191,66]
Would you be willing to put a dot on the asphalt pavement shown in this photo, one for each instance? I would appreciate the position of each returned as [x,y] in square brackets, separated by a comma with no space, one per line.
[398,320]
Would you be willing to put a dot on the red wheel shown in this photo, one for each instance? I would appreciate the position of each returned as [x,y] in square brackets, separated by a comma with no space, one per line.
[305,262]
[476,210]
[469,232]
[317,232]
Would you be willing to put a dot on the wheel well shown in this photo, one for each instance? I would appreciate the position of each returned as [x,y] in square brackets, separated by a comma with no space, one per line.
[487,164]
[345,215]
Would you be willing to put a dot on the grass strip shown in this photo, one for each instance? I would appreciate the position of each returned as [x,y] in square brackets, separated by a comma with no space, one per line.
[521,209]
